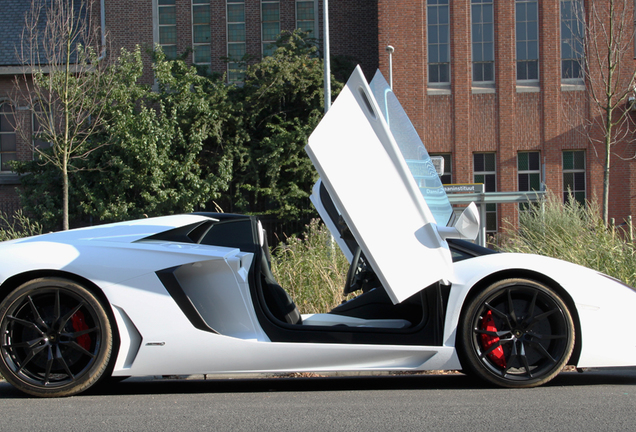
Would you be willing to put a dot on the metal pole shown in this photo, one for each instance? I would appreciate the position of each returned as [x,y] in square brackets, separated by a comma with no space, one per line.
[390,50]
[326,55]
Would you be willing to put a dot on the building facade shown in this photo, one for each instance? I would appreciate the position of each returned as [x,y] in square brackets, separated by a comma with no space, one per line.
[215,35]
[496,87]
[493,86]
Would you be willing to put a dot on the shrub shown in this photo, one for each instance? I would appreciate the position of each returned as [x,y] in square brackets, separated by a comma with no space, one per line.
[312,269]
[574,233]
[17,227]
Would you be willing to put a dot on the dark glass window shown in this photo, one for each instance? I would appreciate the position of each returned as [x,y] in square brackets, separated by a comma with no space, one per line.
[574,176]
[236,37]
[168,27]
[572,34]
[447,177]
[483,33]
[485,171]
[528,173]
[305,20]
[8,142]
[527,21]
[270,25]
[438,31]
[201,34]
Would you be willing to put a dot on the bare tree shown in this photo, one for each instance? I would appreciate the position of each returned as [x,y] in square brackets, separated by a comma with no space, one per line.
[66,84]
[603,41]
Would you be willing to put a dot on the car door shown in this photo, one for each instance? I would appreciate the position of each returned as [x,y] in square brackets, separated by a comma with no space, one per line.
[364,172]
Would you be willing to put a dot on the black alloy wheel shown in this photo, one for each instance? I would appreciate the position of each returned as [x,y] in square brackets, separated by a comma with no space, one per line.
[56,338]
[516,333]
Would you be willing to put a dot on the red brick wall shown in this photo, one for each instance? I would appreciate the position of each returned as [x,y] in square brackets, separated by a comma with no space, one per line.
[506,121]
[353,28]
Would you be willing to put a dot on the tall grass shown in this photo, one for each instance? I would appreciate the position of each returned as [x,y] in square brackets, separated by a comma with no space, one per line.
[18,226]
[574,233]
[311,268]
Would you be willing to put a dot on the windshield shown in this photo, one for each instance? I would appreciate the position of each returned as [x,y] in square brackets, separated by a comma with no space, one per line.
[413,150]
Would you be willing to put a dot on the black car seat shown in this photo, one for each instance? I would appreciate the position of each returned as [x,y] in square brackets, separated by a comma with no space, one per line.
[279,303]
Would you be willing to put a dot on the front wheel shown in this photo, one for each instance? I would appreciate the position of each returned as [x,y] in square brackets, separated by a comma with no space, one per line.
[55,338]
[516,333]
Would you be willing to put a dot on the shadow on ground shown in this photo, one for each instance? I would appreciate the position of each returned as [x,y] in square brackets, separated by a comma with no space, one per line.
[316,384]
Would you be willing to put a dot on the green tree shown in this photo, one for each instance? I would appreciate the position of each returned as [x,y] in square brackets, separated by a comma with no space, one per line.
[66,85]
[169,155]
[280,104]
[166,152]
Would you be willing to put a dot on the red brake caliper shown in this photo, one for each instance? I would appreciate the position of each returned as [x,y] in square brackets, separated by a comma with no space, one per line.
[79,324]
[496,355]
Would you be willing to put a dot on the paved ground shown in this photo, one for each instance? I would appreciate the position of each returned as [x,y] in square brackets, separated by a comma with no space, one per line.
[596,400]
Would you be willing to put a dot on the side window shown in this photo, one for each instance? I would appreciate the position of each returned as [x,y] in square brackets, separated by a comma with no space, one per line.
[8,139]
[201,34]
[168,27]
[236,39]
[574,176]
[447,177]
[438,38]
[528,173]
[483,34]
[527,30]
[270,25]
[485,171]
[38,117]
[572,34]
[306,16]
[234,234]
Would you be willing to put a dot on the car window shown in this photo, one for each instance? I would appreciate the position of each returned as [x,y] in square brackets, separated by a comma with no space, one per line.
[413,150]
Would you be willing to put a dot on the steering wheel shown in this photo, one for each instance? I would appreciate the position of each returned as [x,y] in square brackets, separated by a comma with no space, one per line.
[352,282]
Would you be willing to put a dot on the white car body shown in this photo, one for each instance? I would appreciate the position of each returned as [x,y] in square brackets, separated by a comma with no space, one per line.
[180,307]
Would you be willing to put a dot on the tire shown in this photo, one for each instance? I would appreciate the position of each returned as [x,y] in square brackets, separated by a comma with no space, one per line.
[56,339]
[516,333]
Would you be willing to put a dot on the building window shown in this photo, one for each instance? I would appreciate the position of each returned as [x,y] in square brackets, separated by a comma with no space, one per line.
[574,176]
[306,17]
[7,136]
[235,40]
[201,34]
[483,34]
[270,25]
[168,28]
[485,171]
[447,177]
[572,34]
[438,31]
[38,116]
[528,173]
[527,20]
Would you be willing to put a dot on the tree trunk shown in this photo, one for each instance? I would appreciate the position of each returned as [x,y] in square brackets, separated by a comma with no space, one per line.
[65,224]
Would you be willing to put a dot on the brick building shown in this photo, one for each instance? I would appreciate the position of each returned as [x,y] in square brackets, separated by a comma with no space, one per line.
[496,88]
[490,85]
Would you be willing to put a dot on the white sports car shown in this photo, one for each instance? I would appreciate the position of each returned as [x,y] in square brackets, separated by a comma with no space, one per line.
[194,294]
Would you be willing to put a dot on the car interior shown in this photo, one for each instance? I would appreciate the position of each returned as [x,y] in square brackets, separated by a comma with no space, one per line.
[368,317]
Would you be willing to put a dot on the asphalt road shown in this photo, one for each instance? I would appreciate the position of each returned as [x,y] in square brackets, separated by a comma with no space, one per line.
[595,400]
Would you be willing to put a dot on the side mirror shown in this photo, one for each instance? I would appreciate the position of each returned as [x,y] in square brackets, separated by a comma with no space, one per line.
[465,227]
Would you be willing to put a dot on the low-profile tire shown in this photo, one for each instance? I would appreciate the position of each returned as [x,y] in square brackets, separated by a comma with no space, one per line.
[515,333]
[56,339]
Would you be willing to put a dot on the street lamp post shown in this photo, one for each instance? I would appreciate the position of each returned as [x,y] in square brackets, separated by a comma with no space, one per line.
[390,50]
[326,55]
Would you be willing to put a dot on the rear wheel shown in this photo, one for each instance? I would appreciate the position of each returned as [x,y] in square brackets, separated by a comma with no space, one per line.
[516,333]
[55,338]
